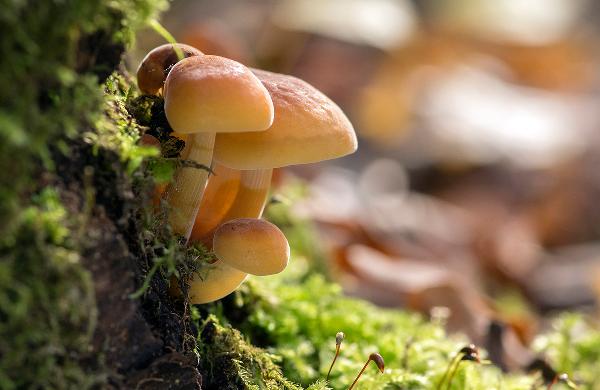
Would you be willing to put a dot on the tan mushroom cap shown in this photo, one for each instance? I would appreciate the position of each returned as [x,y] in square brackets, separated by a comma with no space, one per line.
[153,69]
[252,245]
[212,94]
[308,127]
[220,280]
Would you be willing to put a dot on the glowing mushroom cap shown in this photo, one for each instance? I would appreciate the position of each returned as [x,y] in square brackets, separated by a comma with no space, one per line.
[308,127]
[219,281]
[212,94]
[153,69]
[252,245]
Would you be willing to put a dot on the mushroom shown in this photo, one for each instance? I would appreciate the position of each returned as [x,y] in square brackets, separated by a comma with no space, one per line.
[242,246]
[308,127]
[251,245]
[205,95]
[217,281]
[153,69]
[301,109]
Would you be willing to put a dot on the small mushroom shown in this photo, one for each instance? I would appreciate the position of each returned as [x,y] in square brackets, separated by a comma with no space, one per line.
[155,67]
[219,281]
[252,245]
[205,95]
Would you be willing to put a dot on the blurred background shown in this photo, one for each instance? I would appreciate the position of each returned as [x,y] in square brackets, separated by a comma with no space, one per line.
[474,194]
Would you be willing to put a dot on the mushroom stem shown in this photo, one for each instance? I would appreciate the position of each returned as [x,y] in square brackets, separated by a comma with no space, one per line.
[185,193]
[230,194]
[252,196]
[220,194]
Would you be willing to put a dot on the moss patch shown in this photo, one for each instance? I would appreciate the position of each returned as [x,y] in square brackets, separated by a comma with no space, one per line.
[53,55]
[47,307]
[230,362]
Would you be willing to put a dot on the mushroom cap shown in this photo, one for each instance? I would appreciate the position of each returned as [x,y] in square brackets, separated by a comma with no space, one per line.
[153,69]
[308,127]
[220,281]
[252,245]
[214,94]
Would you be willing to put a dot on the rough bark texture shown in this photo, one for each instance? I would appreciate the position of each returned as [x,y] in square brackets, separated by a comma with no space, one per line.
[140,341]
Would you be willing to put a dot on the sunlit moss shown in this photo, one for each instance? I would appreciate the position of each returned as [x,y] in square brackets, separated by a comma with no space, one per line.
[573,347]
[229,362]
[295,315]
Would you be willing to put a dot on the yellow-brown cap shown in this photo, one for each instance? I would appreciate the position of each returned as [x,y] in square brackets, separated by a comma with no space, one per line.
[308,127]
[252,245]
[214,94]
[153,69]
[218,281]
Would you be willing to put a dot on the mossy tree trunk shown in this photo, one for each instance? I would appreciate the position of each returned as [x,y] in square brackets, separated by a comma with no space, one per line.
[73,233]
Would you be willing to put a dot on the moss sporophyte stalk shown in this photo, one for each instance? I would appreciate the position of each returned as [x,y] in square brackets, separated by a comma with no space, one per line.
[339,337]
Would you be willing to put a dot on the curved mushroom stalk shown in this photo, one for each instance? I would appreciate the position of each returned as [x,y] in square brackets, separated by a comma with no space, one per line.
[230,194]
[220,194]
[252,197]
[186,191]
[216,282]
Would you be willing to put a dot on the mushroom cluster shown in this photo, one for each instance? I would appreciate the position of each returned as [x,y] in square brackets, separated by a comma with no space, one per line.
[242,123]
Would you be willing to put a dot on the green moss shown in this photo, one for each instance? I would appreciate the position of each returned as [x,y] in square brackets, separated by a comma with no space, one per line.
[117,129]
[47,308]
[573,347]
[298,316]
[229,362]
[53,53]
[54,56]
[295,316]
